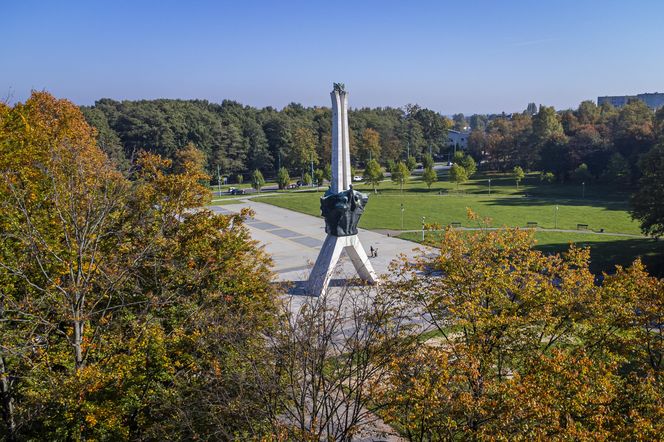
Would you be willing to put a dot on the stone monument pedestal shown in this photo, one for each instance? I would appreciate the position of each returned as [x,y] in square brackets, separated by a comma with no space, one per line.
[329,256]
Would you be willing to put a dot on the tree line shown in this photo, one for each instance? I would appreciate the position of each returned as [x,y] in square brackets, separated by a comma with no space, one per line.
[604,142]
[591,142]
[127,315]
[238,140]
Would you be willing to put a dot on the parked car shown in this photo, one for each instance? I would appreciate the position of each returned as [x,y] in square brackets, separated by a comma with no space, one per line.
[235,191]
[292,186]
[357,178]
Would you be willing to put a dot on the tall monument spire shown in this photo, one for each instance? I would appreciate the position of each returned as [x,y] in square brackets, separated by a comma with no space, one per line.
[340,139]
[341,206]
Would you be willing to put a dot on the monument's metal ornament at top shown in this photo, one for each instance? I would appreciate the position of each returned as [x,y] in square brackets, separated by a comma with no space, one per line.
[341,206]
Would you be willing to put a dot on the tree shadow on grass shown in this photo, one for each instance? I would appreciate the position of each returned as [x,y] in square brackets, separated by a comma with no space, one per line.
[604,256]
[531,200]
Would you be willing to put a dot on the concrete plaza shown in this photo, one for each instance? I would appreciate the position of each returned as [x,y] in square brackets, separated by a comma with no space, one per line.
[294,239]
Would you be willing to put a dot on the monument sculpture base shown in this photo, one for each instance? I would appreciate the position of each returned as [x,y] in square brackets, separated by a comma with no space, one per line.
[330,253]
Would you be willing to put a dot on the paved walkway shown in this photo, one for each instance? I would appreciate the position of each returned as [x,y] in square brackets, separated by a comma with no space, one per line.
[294,240]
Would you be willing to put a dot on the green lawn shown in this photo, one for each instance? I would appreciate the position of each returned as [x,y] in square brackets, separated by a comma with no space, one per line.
[602,208]
[605,250]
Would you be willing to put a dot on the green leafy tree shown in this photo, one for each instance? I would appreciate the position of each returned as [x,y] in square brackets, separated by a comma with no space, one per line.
[646,202]
[373,174]
[429,176]
[546,125]
[283,179]
[588,112]
[459,122]
[458,174]
[468,163]
[257,180]
[427,161]
[547,177]
[107,139]
[411,163]
[400,174]
[370,145]
[239,178]
[617,170]
[258,153]
[434,128]
[306,179]
[231,153]
[634,131]
[518,175]
[319,176]
[303,151]
[412,135]
[582,174]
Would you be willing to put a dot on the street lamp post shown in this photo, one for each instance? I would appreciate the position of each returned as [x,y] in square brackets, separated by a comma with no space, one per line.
[489,186]
[402,209]
[583,189]
[423,218]
[555,218]
[311,158]
[218,180]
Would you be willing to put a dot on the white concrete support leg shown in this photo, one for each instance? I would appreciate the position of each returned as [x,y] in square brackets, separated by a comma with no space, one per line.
[360,260]
[322,272]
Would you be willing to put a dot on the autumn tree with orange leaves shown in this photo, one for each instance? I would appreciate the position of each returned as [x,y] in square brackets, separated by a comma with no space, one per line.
[121,305]
[527,346]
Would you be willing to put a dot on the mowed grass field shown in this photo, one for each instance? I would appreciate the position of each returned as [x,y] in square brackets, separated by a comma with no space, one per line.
[600,206]
[606,251]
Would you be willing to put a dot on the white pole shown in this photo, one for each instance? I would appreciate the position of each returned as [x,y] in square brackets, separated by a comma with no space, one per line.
[218,180]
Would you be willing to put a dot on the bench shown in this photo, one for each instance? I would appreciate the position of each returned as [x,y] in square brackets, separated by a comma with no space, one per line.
[531,224]
[582,227]
[455,224]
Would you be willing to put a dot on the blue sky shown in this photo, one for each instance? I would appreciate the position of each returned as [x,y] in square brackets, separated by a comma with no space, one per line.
[480,56]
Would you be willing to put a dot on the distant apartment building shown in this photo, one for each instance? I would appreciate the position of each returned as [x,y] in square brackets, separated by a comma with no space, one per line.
[458,139]
[653,100]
